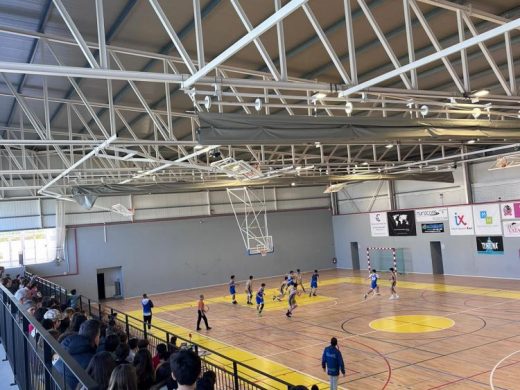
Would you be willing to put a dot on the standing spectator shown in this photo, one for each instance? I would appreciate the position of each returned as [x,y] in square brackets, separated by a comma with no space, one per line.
[332,362]
[53,315]
[207,381]
[144,369]
[81,347]
[162,350]
[147,310]
[73,300]
[100,368]
[75,324]
[23,292]
[132,343]
[123,378]
[186,367]
[121,353]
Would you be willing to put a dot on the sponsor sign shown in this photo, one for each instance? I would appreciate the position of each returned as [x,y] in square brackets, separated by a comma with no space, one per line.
[461,221]
[487,219]
[490,245]
[511,228]
[427,215]
[510,210]
[432,227]
[401,223]
[378,225]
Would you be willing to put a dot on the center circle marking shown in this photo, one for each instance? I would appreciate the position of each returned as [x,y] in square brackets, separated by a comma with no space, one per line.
[412,324]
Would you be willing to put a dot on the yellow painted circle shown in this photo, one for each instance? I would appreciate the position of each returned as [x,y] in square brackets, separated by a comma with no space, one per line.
[412,324]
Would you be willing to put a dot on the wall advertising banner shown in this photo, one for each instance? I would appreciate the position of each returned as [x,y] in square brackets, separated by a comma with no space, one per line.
[487,219]
[427,215]
[511,228]
[490,245]
[432,227]
[510,210]
[401,223]
[461,221]
[378,225]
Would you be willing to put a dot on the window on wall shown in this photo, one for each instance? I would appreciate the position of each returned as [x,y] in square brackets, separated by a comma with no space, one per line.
[29,246]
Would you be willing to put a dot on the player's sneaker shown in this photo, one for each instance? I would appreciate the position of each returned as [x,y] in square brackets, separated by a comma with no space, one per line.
[366,295]
[396,297]
[234,302]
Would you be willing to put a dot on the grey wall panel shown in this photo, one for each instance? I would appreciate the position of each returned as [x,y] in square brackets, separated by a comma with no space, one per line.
[181,254]
[459,252]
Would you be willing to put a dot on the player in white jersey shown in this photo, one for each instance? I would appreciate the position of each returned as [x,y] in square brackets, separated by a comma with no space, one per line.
[249,290]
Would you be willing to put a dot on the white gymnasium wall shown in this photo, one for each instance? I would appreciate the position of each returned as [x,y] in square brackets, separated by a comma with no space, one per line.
[40,213]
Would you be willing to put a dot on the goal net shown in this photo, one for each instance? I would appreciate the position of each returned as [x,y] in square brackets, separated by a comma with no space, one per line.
[382,259]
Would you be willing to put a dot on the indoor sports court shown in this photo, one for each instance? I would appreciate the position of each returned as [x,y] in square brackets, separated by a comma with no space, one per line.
[259,194]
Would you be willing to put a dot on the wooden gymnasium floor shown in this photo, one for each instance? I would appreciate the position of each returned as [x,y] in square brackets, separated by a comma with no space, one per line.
[443,332]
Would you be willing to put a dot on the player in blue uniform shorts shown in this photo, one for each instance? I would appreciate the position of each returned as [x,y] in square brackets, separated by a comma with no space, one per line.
[232,289]
[373,283]
[314,283]
[260,299]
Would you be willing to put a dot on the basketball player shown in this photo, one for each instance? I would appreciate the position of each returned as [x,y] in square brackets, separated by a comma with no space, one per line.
[291,280]
[282,290]
[293,291]
[232,289]
[260,299]
[393,279]
[201,310]
[373,283]
[299,280]
[249,290]
[314,283]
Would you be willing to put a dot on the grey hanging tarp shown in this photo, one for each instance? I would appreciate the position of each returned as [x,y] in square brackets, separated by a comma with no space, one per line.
[156,188]
[84,198]
[241,129]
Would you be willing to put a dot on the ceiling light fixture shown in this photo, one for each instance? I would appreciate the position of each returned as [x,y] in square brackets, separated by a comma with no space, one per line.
[480,93]
[318,96]
[476,112]
[207,102]
[424,110]
[389,146]
[293,184]
[258,104]
[471,141]
[349,107]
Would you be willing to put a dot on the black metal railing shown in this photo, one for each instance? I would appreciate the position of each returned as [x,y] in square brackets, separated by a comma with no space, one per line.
[231,374]
[48,288]
[31,358]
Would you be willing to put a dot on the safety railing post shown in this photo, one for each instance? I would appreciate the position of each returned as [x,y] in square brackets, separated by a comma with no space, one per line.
[235,375]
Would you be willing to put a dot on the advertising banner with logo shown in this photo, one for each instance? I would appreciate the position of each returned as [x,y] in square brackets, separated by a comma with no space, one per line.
[490,245]
[401,223]
[487,219]
[510,210]
[378,225]
[429,215]
[432,227]
[461,221]
[511,228]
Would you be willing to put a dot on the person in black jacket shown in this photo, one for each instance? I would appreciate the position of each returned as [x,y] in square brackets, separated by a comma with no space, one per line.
[81,347]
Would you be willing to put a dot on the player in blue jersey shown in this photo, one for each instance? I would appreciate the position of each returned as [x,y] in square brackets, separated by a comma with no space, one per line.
[147,310]
[260,299]
[373,283]
[293,291]
[314,283]
[291,279]
[232,289]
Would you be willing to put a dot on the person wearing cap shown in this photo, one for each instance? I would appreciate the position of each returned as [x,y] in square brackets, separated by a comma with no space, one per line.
[53,315]
[332,363]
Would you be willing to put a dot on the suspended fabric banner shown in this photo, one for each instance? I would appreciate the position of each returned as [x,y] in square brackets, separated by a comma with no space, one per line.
[401,223]
[378,225]
[461,221]
[487,219]
[490,245]
[242,129]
